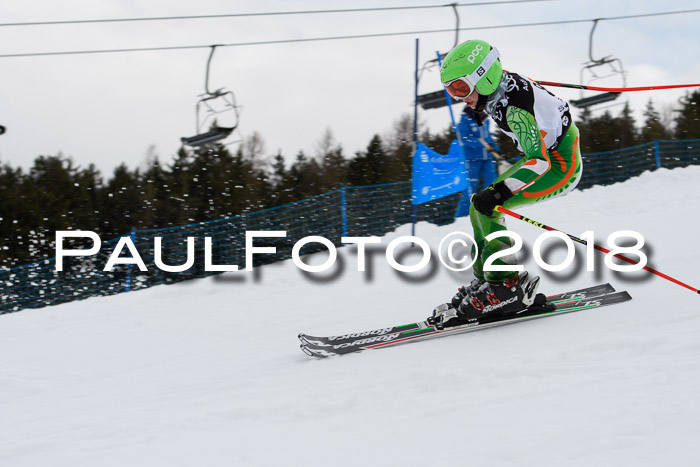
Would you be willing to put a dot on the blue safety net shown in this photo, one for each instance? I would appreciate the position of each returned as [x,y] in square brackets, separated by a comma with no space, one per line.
[353,211]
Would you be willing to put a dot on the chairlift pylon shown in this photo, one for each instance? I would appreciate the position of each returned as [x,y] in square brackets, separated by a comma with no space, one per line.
[592,67]
[206,112]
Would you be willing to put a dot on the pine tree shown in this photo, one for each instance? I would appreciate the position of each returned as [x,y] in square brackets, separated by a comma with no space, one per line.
[376,161]
[606,132]
[652,128]
[399,147]
[303,177]
[688,120]
[215,178]
[281,190]
[369,167]
[247,184]
[154,192]
[333,165]
[120,201]
[179,209]
[253,150]
[13,209]
[439,142]
[627,133]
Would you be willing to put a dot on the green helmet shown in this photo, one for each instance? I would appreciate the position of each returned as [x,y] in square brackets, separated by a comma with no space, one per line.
[477,63]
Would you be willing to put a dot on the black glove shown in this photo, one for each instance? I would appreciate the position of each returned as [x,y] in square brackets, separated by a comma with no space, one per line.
[486,200]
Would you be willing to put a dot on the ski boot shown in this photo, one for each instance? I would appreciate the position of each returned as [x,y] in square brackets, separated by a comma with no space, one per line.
[450,308]
[492,299]
[465,291]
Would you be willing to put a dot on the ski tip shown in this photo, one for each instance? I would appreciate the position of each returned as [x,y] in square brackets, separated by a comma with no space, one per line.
[306,351]
[303,338]
[311,353]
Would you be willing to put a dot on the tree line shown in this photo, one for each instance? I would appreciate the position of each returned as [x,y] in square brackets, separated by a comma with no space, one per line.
[216,182]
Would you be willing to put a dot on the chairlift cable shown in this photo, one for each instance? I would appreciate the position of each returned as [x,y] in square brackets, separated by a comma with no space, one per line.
[270,13]
[356,36]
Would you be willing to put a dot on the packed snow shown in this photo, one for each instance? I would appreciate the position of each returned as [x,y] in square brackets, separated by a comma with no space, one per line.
[210,373]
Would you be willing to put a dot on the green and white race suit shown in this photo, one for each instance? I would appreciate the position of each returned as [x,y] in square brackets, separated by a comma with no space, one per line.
[540,124]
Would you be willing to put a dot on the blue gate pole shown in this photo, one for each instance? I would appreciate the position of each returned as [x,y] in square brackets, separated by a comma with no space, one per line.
[658,154]
[415,139]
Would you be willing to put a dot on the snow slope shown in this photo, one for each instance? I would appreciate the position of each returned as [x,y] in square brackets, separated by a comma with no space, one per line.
[209,372]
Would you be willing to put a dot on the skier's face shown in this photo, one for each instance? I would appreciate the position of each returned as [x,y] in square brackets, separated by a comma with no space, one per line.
[471,99]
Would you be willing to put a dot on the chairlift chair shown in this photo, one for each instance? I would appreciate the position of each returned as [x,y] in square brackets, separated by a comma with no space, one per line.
[210,105]
[615,68]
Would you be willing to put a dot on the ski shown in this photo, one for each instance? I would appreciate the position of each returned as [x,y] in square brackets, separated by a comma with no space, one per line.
[593,291]
[325,347]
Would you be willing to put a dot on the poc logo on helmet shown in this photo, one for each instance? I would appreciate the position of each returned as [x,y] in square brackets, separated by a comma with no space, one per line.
[475,53]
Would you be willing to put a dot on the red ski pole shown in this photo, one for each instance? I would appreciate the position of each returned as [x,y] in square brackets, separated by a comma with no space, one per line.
[598,88]
[597,247]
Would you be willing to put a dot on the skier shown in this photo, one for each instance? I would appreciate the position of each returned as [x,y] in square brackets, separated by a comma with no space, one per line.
[541,126]
[479,147]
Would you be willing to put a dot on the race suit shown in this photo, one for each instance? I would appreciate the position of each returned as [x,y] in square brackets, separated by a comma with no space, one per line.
[541,126]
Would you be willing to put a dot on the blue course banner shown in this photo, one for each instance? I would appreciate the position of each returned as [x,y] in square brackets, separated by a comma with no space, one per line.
[435,175]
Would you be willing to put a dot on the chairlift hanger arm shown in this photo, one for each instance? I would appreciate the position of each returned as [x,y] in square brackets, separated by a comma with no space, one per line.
[614,64]
[430,63]
[206,78]
[454,8]
[590,42]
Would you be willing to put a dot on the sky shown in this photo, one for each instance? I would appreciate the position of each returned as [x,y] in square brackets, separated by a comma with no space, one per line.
[113,108]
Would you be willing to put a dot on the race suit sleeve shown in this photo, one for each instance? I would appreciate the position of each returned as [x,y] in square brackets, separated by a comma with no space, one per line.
[523,125]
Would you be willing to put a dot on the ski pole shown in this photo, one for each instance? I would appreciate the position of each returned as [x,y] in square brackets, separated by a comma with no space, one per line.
[597,247]
[597,88]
